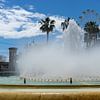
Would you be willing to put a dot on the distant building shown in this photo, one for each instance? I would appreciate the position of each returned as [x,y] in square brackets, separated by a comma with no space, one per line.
[9,68]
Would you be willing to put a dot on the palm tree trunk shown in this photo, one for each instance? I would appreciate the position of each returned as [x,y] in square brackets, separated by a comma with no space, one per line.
[47,37]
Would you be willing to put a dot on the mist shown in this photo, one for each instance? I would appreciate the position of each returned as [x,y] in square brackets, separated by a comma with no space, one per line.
[53,61]
[68,59]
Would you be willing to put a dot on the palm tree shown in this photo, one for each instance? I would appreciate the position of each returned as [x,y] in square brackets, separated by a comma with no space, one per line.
[81,17]
[92,29]
[47,25]
[64,24]
[84,12]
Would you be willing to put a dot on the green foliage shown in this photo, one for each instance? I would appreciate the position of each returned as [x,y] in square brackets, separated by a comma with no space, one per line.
[64,24]
[92,29]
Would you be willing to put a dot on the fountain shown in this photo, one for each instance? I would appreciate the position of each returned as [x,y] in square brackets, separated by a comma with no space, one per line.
[59,64]
[56,71]
[73,37]
[54,62]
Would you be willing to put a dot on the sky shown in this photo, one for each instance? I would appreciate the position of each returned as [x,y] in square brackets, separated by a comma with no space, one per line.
[19,19]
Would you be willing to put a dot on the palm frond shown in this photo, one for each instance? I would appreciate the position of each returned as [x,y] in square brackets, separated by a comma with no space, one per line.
[47,19]
[52,22]
[81,17]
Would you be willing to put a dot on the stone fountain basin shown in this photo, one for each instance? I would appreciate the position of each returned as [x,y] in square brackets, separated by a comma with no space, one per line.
[50,92]
[49,88]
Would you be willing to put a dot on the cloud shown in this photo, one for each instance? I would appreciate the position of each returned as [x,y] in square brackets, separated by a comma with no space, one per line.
[2,5]
[2,0]
[17,22]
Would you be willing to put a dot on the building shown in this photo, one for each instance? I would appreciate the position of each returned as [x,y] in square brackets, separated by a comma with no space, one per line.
[9,68]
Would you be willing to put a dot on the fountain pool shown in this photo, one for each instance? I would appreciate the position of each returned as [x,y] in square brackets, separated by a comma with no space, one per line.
[19,81]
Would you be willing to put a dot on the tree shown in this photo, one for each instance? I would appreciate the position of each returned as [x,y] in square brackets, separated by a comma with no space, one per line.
[47,25]
[64,24]
[92,29]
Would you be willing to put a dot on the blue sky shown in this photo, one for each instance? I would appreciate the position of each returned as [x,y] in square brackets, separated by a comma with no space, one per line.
[72,8]
[19,32]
